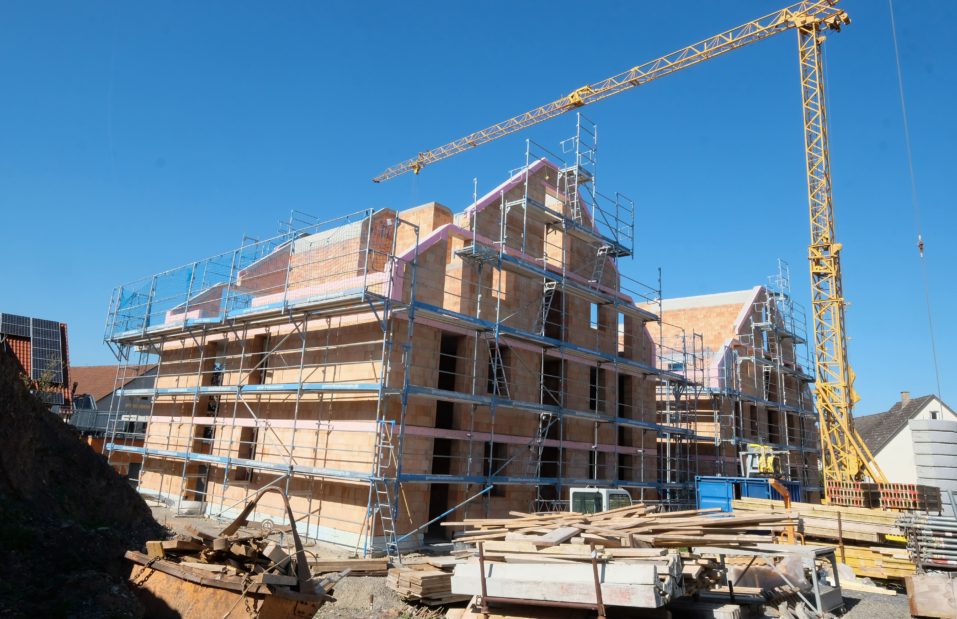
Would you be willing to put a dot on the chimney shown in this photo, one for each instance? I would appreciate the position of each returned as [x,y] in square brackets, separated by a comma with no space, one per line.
[905,397]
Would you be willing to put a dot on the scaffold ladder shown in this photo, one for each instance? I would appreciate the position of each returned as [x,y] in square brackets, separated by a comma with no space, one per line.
[545,422]
[548,297]
[601,258]
[497,369]
[384,508]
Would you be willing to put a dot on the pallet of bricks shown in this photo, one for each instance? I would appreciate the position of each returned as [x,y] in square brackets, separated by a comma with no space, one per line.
[635,556]
[901,497]
[868,540]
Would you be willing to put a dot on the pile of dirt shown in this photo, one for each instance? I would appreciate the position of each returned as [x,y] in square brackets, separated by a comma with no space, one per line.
[66,517]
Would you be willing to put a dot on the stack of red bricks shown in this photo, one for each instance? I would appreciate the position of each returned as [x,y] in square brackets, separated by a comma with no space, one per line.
[884,495]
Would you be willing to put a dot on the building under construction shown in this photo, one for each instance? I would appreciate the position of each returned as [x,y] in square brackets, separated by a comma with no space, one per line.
[756,395]
[388,368]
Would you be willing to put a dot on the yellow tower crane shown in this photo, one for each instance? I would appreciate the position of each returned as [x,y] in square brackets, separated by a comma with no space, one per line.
[845,456]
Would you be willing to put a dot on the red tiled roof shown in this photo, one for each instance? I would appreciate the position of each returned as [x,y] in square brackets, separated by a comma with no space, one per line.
[100,380]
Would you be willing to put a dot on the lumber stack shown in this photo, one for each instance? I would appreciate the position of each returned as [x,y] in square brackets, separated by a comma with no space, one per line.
[884,562]
[428,582]
[699,574]
[858,524]
[635,526]
[869,540]
[355,567]
[554,557]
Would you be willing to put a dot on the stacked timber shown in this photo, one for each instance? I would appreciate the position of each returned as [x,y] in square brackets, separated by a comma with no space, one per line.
[883,562]
[857,524]
[868,540]
[699,574]
[428,581]
[631,554]
[355,567]
[635,526]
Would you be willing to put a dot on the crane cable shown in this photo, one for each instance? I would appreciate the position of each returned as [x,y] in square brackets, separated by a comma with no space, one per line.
[914,198]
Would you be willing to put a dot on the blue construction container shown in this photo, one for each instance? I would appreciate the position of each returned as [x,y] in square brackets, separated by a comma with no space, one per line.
[720,491]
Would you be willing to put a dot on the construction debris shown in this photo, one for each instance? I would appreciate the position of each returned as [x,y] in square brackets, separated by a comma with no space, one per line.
[238,555]
[199,575]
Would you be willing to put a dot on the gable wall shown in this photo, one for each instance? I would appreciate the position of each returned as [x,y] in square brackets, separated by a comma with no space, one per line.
[896,459]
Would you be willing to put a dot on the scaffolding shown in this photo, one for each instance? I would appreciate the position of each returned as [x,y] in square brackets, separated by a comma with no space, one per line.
[680,353]
[758,389]
[386,378]
[244,335]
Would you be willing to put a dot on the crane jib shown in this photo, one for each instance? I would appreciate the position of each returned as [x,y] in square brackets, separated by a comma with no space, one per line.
[820,14]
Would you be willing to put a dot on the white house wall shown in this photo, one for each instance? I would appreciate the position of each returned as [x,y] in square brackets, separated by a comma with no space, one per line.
[896,459]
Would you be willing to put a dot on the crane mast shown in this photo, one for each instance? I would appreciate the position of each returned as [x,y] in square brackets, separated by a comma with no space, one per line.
[845,456]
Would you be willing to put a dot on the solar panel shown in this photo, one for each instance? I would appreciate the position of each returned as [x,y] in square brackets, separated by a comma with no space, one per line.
[47,350]
[11,324]
[51,397]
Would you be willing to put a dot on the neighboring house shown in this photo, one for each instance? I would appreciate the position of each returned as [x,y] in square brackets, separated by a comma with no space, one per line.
[102,415]
[888,434]
[96,397]
[40,347]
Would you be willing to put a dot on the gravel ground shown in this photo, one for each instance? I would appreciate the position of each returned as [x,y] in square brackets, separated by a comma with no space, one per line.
[362,597]
[874,606]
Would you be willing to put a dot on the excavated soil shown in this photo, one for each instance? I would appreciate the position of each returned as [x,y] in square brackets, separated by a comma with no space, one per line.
[66,517]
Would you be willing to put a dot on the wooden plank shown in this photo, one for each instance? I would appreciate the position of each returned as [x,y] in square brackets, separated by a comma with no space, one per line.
[532,548]
[182,546]
[356,565]
[155,550]
[276,579]
[274,553]
[206,537]
[557,536]
[205,567]
[851,585]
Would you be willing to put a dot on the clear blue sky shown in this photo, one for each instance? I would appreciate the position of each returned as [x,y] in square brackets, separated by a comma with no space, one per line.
[139,136]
